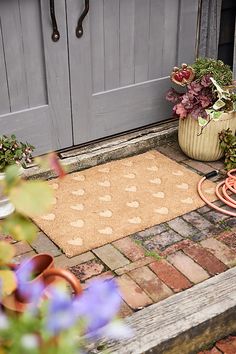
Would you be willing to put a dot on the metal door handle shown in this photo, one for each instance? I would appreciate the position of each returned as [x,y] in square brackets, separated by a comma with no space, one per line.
[79,29]
[55,32]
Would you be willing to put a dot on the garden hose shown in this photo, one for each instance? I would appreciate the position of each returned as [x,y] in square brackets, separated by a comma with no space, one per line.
[225,191]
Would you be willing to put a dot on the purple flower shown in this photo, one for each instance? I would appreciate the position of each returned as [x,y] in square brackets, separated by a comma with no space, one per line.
[63,311]
[180,110]
[30,290]
[99,305]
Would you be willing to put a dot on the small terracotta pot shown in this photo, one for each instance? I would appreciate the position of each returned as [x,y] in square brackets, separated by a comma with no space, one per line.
[43,269]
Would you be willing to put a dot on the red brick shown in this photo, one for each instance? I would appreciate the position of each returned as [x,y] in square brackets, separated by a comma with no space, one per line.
[130,249]
[221,251]
[87,270]
[170,275]
[125,310]
[211,351]
[205,259]
[149,282]
[229,238]
[188,267]
[176,247]
[228,345]
[140,263]
[22,247]
[103,276]
[132,294]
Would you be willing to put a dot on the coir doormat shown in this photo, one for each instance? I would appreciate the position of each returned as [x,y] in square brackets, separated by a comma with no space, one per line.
[110,201]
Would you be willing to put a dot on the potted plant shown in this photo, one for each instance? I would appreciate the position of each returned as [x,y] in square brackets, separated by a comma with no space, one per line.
[11,152]
[206,106]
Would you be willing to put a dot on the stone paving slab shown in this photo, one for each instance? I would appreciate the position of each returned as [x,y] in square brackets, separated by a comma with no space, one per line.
[160,261]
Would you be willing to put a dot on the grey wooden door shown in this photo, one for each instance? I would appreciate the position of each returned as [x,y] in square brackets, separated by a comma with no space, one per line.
[34,75]
[120,67]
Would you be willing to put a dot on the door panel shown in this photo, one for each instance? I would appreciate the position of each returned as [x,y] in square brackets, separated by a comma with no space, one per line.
[120,67]
[34,87]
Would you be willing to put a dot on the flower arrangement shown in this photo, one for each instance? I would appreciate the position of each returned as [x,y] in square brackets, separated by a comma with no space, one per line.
[52,321]
[13,151]
[206,94]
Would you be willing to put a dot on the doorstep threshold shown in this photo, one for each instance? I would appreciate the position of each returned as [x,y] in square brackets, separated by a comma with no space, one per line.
[130,144]
[186,322]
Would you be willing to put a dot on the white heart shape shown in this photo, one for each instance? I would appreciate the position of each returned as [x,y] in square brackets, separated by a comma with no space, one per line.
[187,201]
[77,207]
[104,183]
[210,191]
[104,170]
[162,211]
[105,198]
[78,223]
[106,231]
[49,217]
[152,168]
[130,175]
[106,213]
[127,163]
[80,178]
[78,192]
[131,189]
[159,195]
[155,181]
[135,220]
[183,186]
[177,173]
[133,204]
[76,241]
[55,186]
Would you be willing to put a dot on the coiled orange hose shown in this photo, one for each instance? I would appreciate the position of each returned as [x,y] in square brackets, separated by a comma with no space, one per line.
[225,191]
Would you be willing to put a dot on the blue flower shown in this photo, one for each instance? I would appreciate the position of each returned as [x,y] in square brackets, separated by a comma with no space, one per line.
[99,305]
[62,311]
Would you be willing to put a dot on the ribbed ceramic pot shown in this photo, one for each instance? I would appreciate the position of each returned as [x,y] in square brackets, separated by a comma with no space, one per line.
[204,147]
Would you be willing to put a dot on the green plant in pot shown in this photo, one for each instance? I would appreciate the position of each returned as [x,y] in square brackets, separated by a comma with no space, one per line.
[206,106]
[12,152]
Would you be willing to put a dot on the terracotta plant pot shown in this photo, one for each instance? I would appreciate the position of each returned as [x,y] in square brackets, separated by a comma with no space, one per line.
[204,147]
[43,269]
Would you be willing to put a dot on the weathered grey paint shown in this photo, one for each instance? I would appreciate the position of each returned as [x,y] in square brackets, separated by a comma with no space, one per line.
[34,76]
[119,67]
[118,70]
[209,28]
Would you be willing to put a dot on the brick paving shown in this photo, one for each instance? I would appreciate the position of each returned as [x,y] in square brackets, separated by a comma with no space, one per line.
[223,346]
[160,261]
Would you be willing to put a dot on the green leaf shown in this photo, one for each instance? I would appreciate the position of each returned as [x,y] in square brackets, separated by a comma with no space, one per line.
[7,252]
[8,282]
[216,116]
[32,198]
[19,227]
[218,105]
[202,121]
[12,175]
